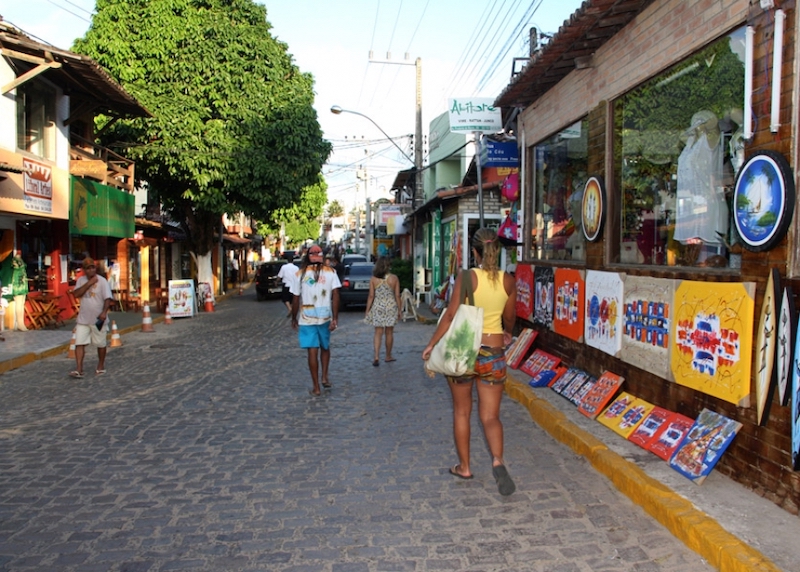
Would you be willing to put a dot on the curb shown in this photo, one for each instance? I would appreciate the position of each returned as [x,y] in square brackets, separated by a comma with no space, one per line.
[723,550]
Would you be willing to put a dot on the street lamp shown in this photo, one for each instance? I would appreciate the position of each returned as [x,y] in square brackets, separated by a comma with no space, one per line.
[336,110]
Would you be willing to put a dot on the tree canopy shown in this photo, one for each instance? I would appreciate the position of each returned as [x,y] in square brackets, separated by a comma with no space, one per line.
[233,127]
[302,219]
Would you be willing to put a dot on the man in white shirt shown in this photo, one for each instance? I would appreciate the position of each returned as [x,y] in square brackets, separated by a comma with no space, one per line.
[287,274]
[95,296]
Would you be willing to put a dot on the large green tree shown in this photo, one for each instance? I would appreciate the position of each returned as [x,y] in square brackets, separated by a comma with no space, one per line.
[233,127]
[302,220]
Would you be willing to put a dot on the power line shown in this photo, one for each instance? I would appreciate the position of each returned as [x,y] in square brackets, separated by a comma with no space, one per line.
[70,12]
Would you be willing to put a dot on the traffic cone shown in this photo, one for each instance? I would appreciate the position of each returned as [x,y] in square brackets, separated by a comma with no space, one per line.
[71,352]
[209,305]
[116,341]
[167,316]
[147,321]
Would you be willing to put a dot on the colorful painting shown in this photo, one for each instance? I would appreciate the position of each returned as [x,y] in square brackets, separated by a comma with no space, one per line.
[631,418]
[795,402]
[577,396]
[574,386]
[518,349]
[763,198]
[646,316]
[711,335]
[568,305]
[786,327]
[613,413]
[562,382]
[601,393]
[593,208]
[648,428]
[538,361]
[547,377]
[705,443]
[766,344]
[543,296]
[524,278]
[603,322]
[670,435]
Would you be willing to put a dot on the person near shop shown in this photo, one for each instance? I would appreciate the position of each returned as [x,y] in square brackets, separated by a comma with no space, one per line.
[383,308]
[315,313]
[19,289]
[94,292]
[287,274]
[495,292]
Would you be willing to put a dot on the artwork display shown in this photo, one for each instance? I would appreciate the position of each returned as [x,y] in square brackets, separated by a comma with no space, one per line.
[704,444]
[568,312]
[562,382]
[543,296]
[613,413]
[518,349]
[524,278]
[601,393]
[648,428]
[577,396]
[795,402]
[604,300]
[575,385]
[631,418]
[547,377]
[538,361]
[593,208]
[711,338]
[785,354]
[670,435]
[766,345]
[646,318]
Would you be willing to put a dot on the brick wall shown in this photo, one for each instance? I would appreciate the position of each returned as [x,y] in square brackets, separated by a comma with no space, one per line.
[667,32]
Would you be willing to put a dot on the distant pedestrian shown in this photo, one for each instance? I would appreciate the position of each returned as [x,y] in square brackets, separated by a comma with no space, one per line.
[95,296]
[315,313]
[287,275]
[383,308]
[495,292]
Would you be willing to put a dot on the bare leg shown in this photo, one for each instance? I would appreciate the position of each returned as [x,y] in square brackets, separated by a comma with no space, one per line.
[101,358]
[326,360]
[489,397]
[389,342]
[80,352]
[462,411]
[376,344]
[313,367]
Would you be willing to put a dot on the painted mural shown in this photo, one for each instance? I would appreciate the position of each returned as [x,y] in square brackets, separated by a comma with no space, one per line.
[568,305]
[603,319]
[711,338]
[646,318]
[524,277]
[543,296]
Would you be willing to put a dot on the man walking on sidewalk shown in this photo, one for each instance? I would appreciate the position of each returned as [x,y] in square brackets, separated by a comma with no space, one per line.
[95,295]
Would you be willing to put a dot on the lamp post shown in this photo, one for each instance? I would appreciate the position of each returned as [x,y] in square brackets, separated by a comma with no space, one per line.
[336,110]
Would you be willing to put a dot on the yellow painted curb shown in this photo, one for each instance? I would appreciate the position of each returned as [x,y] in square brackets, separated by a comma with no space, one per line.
[693,527]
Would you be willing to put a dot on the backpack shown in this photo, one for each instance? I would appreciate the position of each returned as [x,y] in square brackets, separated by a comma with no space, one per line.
[511,187]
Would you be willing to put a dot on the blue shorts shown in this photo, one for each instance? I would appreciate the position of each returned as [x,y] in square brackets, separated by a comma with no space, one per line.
[318,336]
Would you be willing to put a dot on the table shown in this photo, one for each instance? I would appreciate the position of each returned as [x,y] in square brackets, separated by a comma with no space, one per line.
[43,310]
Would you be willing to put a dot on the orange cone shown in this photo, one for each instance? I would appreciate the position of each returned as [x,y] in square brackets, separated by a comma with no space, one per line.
[167,316]
[116,341]
[147,321]
[209,305]
[71,352]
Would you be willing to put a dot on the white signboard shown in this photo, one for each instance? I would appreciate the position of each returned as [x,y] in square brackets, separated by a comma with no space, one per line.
[38,190]
[181,298]
[474,114]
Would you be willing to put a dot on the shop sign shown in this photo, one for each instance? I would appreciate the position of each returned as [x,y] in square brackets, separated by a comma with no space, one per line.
[33,187]
[100,210]
[181,298]
[38,179]
[474,114]
[499,154]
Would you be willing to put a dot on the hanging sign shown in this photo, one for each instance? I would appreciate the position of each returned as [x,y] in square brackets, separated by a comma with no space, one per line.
[474,114]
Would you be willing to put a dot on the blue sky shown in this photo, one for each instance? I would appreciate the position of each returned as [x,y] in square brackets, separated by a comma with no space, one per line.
[466,48]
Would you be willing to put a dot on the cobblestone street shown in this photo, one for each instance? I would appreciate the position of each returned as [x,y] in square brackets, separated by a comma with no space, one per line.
[201,449]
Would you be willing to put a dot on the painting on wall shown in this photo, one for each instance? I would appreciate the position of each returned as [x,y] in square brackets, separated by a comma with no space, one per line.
[711,338]
[543,296]
[795,402]
[568,305]
[703,445]
[766,345]
[524,278]
[785,355]
[603,320]
[646,316]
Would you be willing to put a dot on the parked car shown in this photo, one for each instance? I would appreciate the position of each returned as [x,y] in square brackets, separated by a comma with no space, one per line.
[355,286]
[267,281]
[349,259]
[289,253]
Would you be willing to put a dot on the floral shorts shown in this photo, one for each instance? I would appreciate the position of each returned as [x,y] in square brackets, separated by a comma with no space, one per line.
[490,368]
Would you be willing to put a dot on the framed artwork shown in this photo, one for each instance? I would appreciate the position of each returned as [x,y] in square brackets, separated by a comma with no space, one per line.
[613,413]
[766,344]
[539,360]
[603,320]
[646,319]
[785,356]
[568,308]
[593,208]
[703,445]
[763,199]
[649,426]
[711,338]
[670,435]
[543,296]
[601,393]
[631,418]
[524,278]
[518,349]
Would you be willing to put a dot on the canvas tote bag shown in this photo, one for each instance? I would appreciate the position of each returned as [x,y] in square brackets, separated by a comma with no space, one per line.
[455,353]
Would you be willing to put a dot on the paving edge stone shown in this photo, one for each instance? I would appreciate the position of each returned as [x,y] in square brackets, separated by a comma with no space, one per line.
[723,550]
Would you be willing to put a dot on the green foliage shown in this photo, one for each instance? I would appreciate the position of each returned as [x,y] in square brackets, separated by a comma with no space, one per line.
[233,127]
[404,271]
[335,209]
[301,220]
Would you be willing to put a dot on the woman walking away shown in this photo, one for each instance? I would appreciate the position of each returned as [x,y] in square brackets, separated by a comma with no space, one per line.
[383,308]
[495,292]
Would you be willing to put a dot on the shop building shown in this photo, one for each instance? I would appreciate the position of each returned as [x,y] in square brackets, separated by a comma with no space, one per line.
[643,129]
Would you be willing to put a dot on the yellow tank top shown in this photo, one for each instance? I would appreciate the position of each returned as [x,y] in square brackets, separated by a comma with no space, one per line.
[491,296]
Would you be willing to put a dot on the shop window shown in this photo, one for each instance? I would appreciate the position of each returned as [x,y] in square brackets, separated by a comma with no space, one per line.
[678,142]
[36,119]
[560,174]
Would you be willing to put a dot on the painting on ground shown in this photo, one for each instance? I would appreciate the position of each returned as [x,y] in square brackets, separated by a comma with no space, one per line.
[524,278]
[568,307]
[649,426]
[631,418]
[646,316]
[543,296]
[603,322]
[669,436]
[601,393]
[703,445]
[711,335]
[613,412]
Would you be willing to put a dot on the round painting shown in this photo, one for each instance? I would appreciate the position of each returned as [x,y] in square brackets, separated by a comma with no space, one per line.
[763,200]
[593,208]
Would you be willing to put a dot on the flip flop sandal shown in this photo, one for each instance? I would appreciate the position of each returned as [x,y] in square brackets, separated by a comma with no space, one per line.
[376,363]
[455,473]
[327,385]
[76,374]
[99,372]
[505,485]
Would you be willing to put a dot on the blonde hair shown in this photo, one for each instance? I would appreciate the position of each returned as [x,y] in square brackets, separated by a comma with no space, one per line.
[486,243]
